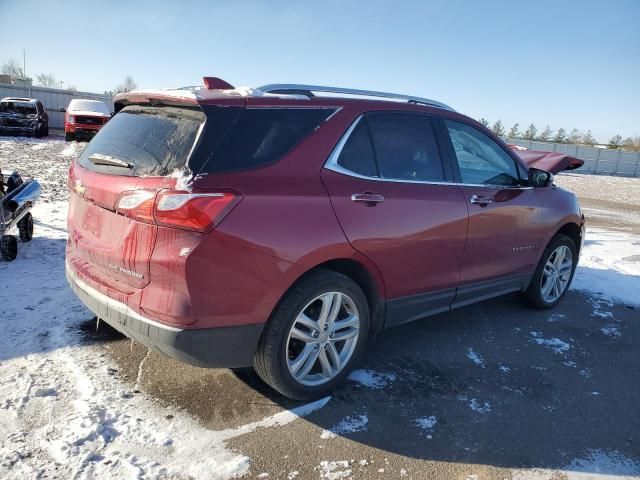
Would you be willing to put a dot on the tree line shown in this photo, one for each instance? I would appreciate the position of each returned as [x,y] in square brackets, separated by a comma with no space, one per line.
[49,80]
[560,136]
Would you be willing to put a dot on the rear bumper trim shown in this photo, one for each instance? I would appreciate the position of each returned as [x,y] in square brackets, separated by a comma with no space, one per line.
[220,347]
[111,306]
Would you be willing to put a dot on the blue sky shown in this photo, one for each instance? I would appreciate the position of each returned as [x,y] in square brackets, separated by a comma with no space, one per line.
[572,64]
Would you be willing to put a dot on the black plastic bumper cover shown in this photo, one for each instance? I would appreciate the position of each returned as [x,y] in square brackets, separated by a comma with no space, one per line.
[223,347]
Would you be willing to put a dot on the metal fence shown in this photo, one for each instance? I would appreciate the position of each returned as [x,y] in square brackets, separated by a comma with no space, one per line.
[53,99]
[596,160]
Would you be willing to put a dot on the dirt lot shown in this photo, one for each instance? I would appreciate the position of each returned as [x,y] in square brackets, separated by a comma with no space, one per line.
[490,391]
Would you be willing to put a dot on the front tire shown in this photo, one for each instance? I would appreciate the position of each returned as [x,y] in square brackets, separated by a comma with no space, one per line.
[8,248]
[553,274]
[68,137]
[315,336]
[25,228]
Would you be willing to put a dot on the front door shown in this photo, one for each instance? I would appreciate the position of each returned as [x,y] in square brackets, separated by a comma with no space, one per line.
[504,233]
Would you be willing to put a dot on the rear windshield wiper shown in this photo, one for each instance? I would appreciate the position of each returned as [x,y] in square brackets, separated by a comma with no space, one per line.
[100,159]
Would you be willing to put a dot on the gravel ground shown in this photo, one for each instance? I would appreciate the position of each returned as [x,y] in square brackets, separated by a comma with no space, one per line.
[490,391]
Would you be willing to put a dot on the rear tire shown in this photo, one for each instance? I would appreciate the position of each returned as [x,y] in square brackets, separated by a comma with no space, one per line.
[25,227]
[553,274]
[8,248]
[334,347]
[69,137]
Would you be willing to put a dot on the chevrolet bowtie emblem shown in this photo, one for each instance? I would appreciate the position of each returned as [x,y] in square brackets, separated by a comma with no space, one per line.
[79,188]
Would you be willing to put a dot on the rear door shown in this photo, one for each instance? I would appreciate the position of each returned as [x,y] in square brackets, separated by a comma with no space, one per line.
[141,149]
[503,240]
[391,195]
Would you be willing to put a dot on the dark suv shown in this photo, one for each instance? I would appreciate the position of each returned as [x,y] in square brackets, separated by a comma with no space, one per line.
[283,227]
[26,116]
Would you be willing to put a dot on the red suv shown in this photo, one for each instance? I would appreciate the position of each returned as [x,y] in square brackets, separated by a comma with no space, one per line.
[283,227]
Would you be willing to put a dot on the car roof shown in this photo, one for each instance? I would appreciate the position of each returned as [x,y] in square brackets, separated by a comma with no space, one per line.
[218,91]
[18,99]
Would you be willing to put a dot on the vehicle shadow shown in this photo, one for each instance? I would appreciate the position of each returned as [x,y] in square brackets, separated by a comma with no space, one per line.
[497,384]
[493,384]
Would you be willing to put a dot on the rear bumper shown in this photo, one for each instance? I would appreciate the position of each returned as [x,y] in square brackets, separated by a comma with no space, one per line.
[223,347]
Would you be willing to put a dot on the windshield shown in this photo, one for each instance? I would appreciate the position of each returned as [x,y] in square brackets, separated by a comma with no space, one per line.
[152,141]
[88,106]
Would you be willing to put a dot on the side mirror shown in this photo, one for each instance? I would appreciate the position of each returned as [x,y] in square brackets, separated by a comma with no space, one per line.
[539,178]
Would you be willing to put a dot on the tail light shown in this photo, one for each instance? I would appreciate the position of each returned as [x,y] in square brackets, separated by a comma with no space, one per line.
[184,210]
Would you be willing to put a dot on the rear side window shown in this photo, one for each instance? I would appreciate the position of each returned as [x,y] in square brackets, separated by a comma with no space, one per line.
[243,139]
[405,147]
[357,154]
[154,141]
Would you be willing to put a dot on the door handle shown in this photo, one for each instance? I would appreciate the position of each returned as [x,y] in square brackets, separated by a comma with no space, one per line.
[480,200]
[370,199]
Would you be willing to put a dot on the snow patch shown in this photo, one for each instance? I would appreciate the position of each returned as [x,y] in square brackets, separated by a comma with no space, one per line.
[334,470]
[609,266]
[427,424]
[475,405]
[372,379]
[347,425]
[555,344]
[475,358]
[610,331]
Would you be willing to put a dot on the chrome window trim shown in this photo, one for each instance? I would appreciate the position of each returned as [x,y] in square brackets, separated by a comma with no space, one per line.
[332,164]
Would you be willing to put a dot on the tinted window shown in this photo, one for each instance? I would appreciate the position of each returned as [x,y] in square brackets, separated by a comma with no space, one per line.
[405,147]
[154,140]
[357,154]
[481,160]
[251,138]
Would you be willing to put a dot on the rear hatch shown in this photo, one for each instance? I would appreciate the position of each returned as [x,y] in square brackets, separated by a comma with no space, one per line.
[140,152]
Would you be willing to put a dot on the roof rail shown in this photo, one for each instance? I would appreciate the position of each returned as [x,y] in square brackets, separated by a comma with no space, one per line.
[308,90]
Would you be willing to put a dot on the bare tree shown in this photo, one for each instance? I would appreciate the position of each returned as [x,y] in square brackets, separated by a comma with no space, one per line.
[531,132]
[127,85]
[560,136]
[72,88]
[546,134]
[515,131]
[13,68]
[498,128]
[46,79]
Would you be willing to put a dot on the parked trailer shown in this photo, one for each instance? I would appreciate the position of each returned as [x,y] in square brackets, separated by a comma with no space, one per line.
[18,195]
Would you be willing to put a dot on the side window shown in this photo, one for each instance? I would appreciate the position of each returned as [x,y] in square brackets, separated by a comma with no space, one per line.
[405,147]
[481,160]
[254,138]
[357,154]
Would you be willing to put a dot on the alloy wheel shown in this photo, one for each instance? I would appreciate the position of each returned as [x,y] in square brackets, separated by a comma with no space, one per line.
[556,274]
[322,338]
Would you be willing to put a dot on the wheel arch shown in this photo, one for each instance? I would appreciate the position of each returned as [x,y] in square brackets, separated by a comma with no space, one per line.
[368,278]
[573,231]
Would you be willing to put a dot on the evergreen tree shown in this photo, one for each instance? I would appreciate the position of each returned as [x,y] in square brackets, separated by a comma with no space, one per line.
[515,131]
[560,136]
[498,128]
[531,132]
[546,134]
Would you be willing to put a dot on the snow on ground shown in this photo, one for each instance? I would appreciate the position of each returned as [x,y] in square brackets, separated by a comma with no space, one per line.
[555,344]
[347,425]
[371,378]
[601,187]
[610,266]
[475,358]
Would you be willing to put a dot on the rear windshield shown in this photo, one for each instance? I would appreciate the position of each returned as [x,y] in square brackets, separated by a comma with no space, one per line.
[22,108]
[236,139]
[152,141]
